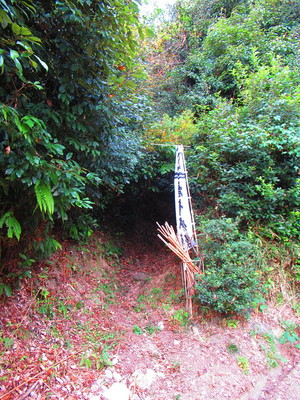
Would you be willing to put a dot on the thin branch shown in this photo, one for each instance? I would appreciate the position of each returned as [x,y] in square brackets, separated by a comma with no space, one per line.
[39,374]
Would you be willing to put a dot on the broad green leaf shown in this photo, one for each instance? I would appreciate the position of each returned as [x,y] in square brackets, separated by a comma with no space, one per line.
[25,31]
[18,65]
[34,39]
[7,290]
[25,45]
[14,54]
[15,28]
[4,18]
[20,30]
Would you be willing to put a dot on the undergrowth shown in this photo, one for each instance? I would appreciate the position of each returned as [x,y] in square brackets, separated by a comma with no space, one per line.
[245,269]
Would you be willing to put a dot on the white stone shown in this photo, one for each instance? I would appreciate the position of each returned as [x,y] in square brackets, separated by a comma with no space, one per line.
[144,381]
[117,377]
[114,361]
[117,391]
[109,374]
[161,325]
[196,331]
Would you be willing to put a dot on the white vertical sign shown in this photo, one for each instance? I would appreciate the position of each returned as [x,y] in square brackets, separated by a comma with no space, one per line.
[183,207]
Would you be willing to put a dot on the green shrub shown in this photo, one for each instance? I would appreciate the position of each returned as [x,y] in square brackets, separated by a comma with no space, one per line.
[230,280]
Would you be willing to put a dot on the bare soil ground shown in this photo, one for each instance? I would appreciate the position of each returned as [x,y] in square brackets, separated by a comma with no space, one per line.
[95,324]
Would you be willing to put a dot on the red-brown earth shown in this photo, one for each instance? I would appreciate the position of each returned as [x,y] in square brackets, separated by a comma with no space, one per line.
[94,324]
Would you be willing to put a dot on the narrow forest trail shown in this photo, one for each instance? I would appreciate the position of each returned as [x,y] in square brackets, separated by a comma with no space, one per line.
[106,321]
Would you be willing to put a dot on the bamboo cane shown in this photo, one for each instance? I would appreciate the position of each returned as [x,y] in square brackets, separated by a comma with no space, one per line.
[172,241]
[189,269]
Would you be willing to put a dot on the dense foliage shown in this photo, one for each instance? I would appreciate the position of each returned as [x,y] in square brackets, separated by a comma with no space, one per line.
[205,41]
[233,71]
[238,80]
[231,283]
[69,119]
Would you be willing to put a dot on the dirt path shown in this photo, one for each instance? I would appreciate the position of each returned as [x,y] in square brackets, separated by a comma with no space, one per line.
[86,328]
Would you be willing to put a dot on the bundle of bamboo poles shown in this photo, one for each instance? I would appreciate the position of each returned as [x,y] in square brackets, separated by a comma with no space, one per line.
[189,269]
[171,240]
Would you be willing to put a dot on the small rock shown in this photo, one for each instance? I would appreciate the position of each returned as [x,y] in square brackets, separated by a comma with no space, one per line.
[117,377]
[117,391]
[144,381]
[114,360]
[196,331]
[176,342]
[161,325]
[109,374]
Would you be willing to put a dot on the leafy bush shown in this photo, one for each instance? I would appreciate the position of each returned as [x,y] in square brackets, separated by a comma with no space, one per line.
[230,280]
[245,169]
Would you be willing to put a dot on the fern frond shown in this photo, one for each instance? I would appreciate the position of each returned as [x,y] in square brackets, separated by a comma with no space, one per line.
[12,224]
[44,198]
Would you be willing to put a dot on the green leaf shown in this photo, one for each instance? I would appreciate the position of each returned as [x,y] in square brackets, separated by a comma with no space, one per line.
[34,39]
[25,31]
[14,54]
[150,33]
[20,30]
[34,64]
[7,290]
[25,46]
[44,198]
[3,218]
[4,18]
[31,121]
[288,337]
[15,28]
[12,224]
[42,62]
[18,65]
